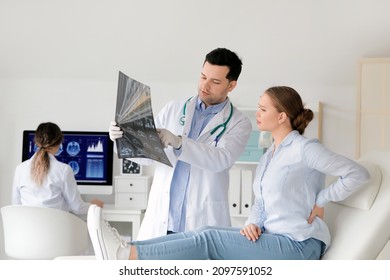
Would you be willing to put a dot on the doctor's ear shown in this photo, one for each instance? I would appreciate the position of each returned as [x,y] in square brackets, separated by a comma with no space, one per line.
[232,85]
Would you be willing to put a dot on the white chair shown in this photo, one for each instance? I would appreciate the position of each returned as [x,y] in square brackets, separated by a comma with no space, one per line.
[42,233]
[360,225]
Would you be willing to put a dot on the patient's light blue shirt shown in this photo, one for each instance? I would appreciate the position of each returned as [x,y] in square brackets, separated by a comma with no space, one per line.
[181,174]
[291,181]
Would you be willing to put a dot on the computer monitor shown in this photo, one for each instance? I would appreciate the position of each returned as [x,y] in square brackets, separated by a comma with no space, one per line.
[89,153]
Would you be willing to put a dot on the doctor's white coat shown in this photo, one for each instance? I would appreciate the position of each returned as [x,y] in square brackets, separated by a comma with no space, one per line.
[207,202]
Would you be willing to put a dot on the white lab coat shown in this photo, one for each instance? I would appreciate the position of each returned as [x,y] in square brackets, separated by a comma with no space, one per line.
[208,184]
[59,189]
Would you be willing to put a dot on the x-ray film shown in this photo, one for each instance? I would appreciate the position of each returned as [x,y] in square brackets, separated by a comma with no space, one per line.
[135,117]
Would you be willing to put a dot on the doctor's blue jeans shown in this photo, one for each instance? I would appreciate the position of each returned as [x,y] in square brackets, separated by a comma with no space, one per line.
[219,243]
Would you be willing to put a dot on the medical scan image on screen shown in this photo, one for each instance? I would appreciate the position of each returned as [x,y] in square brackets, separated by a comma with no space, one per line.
[89,154]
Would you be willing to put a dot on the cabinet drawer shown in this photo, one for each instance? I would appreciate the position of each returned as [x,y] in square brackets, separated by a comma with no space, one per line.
[132,200]
[131,185]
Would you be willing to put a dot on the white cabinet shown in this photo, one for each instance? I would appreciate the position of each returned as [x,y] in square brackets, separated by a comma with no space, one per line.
[241,174]
[126,220]
[131,199]
[234,191]
[240,192]
[132,192]
[246,191]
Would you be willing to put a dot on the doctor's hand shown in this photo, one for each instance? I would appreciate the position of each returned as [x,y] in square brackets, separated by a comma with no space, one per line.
[252,232]
[168,138]
[115,131]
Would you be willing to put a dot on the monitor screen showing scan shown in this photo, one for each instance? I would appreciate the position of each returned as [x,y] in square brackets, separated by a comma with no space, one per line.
[90,154]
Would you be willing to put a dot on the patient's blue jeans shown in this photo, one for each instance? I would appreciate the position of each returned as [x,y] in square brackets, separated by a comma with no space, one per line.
[218,243]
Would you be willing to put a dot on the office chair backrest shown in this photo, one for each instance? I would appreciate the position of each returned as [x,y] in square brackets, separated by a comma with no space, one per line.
[42,233]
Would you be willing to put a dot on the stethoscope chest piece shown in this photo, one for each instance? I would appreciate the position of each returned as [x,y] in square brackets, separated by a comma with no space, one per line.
[182,120]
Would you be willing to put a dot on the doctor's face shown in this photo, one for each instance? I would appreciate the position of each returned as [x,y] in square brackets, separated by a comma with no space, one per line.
[267,116]
[213,86]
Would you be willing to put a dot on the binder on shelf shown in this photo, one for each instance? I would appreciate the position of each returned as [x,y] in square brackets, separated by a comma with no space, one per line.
[234,191]
[246,192]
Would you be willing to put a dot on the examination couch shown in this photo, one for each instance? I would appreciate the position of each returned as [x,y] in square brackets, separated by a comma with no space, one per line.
[360,225]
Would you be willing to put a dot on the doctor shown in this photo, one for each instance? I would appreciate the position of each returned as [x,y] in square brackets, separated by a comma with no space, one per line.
[204,135]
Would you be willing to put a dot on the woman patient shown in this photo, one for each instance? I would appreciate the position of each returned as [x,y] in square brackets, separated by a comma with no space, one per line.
[286,221]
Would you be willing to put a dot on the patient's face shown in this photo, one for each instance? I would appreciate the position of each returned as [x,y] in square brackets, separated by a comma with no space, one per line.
[267,116]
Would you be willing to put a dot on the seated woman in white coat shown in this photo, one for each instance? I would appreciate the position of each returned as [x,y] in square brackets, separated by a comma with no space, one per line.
[44,181]
[286,221]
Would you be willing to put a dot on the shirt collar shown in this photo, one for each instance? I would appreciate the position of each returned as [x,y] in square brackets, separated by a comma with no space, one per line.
[214,109]
[288,139]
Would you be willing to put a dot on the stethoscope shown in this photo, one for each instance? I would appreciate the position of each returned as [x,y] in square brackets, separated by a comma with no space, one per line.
[215,129]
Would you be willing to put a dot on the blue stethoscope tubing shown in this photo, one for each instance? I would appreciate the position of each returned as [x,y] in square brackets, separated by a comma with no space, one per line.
[223,125]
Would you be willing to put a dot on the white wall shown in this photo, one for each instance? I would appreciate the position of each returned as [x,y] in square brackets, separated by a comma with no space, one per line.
[59,60]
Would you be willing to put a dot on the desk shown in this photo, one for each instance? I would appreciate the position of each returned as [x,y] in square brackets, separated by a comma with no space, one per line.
[120,214]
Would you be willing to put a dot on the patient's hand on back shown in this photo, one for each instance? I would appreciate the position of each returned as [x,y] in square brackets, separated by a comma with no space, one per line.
[316,212]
